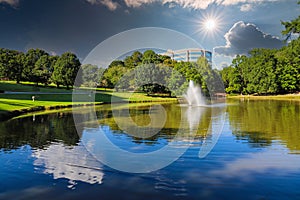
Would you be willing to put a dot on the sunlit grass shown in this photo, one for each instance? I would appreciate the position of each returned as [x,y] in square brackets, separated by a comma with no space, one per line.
[271,97]
[30,87]
[50,97]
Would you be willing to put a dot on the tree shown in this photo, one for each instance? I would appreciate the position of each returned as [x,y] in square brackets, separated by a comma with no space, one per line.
[31,57]
[150,56]
[134,60]
[17,67]
[233,79]
[42,70]
[151,78]
[261,78]
[4,62]
[291,27]
[177,83]
[11,64]
[91,75]
[288,69]
[116,63]
[65,70]
[113,74]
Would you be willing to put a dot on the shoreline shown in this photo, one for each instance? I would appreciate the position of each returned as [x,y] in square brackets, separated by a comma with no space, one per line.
[7,115]
[287,97]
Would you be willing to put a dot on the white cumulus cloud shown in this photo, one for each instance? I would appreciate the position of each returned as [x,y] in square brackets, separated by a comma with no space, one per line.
[138,3]
[111,5]
[246,5]
[200,4]
[242,38]
[234,2]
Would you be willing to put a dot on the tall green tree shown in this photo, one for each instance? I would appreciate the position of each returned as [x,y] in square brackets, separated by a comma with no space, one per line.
[11,64]
[262,76]
[65,70]
[232,80]
[91,75]
[31,57]
[17,67]
[149,57]
[116,63]
[288,69]
[134,60]
[151,78]
[42,70]
[113,74]
[4,62]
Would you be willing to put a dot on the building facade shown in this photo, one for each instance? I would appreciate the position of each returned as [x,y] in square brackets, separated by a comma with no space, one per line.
[189,55]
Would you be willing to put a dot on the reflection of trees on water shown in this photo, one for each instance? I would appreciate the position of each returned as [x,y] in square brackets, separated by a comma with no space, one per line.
[254,139]
[38,131]
[54,140]
[261,122]
[140,115]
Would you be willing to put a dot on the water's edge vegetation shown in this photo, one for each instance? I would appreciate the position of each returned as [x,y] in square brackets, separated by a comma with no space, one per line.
[9,114]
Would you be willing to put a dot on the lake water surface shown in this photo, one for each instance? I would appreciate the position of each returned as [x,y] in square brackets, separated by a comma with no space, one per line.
[255,156]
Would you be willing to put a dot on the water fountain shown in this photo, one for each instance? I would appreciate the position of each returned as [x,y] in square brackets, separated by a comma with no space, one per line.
[194,95]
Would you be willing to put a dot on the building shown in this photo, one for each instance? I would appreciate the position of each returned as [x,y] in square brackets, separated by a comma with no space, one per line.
[189,55]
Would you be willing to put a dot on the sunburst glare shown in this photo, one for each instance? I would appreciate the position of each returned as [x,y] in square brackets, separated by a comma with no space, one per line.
[209,25]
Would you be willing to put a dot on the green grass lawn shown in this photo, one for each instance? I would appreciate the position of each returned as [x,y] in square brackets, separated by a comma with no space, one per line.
[295,97]
[12,102]
[30,87]
[9,102]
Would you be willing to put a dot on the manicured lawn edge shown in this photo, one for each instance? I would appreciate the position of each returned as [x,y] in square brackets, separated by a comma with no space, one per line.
[6,115]
[291,97]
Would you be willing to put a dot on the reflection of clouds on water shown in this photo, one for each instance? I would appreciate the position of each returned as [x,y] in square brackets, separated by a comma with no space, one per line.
[256,170]
[73,163]
[169,184]
[30,193]
[276,160]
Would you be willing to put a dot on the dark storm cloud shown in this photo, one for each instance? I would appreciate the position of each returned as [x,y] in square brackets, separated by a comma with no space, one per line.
[58,26]
[241,38]
[13,3]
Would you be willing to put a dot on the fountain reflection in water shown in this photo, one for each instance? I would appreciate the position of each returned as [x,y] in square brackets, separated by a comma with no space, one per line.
[194,95]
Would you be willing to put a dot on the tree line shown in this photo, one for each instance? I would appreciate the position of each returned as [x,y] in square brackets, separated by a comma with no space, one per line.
[267,71]
[146,71]
[153,73]
[38,66]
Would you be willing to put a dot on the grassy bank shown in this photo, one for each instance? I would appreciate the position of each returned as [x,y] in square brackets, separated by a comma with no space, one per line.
[294,97]
[47,98]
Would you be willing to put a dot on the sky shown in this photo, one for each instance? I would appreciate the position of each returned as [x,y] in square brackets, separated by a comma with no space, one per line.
[225,27]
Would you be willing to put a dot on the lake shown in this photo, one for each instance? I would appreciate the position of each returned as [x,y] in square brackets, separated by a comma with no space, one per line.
[239,150]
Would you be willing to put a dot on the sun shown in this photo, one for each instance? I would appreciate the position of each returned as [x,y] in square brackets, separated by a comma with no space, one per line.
[210,24]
